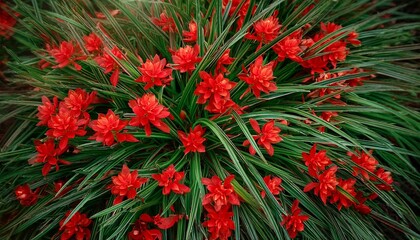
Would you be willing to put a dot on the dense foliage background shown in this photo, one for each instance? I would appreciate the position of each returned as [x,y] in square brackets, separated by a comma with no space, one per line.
[276,90]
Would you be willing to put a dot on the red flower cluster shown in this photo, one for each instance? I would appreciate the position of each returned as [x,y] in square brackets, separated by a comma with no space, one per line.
[77,226]
[170,179]
[363,161]
[7,20]
[108,61]
[185,58]
[154,73]
[221,194]
[193,142]
[149,111]
[166,23]
[48,154]
[219,223]
[26,196]
[326,185]
[259,77]
[126,184]
[294,221]
[142,231]
[316,161]
[342,199]
[265,30]
[108,129]
[224,61]
[268,135]
[273,184]
[67,53]
[191,35]
[234,5]
[290,47]
[336,50]
[93,43]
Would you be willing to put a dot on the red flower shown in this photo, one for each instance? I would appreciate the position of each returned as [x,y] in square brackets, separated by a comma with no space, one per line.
[25,195]
[7,21]
[273,184]
[268,135]
[170,179]
[216,87]
[289,47]
[149,111]
[166,222]
[65,126]
[294,221]
[193,142]
[154,73]
[363,160]
[361,206]
[185,58]
[225,59]
[77,225]
[265,30]
[48,154]
[259,77]
[234,4]
[126,184]
[191,35]
[166,23]
[66,54]
[219,223]
[141,230]
[326,185]
[316,161]
[46,110]
[108,128]
[225,105]
[384,176]
[92,43]
[78,101]
[221,194]
[108,62]
[340,198]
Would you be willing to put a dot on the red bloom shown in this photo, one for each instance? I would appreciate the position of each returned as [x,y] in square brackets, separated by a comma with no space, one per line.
[109,63]
[234,4]
[289,47]
[273,184]
[66,54]
[191,35]
[7,21]
[108,128]
[141,230]
[92,43]
[65,126]
[166,222]
[185,58]
[265,30]
[46,110]
[221,194]
[216,87]
[225,59]
[154,73]
[48,154]
[149,111]
[259,77]
[363,160]
[267,136]
[25,195]
[193,142]
[166,23]
[326,185]
[78,101]
[219,223]
[340,198]
[294,221]
[225,105]
[170,179]
[361,206]
[316,161]
[77,225]
[384,176]
[126,184]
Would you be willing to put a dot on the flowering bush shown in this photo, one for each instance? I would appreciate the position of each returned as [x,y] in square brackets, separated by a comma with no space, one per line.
[209,120]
